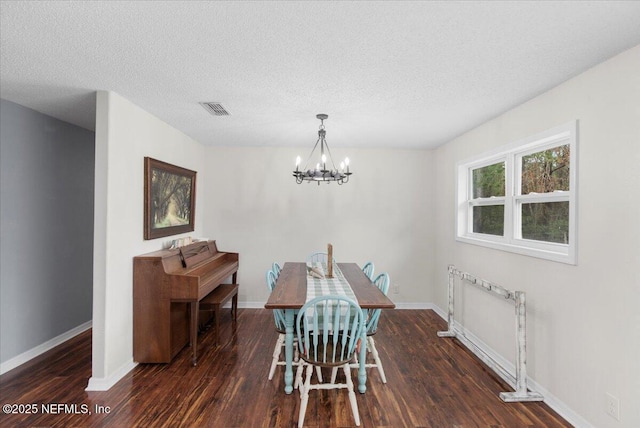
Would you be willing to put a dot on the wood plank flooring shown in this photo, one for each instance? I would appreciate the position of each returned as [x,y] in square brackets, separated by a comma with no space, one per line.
[432,382]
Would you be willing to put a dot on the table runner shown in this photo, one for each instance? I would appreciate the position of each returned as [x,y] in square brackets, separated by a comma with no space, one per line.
[338,285]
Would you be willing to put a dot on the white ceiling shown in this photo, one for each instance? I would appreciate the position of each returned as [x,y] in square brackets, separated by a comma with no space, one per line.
[388,74]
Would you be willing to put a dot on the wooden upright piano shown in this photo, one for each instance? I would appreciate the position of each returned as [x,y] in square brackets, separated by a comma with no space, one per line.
[167,288]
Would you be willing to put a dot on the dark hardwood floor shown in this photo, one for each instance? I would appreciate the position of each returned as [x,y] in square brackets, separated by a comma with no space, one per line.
[432,382]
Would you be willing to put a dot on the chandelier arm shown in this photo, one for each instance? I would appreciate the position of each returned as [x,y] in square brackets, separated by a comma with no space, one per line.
[311,155]
[330,157]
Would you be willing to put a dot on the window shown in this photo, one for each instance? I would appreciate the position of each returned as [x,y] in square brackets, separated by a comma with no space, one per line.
[522,198]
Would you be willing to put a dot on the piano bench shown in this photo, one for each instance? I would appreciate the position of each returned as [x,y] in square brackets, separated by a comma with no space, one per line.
[218,297]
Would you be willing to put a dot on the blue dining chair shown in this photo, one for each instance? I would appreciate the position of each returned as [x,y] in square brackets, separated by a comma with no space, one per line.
[368,269]
[319,258]
[373,316]
[275,267]
[382,282]
[278,315]
[329,331]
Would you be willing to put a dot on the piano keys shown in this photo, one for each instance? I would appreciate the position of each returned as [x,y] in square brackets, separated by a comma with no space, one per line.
[167,288]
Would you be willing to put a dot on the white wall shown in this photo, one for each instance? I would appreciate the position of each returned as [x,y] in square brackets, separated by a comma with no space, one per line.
[125,134]
[383,214]
[584,320]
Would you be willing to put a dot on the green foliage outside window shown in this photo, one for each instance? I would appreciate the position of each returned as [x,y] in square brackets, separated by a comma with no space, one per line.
[546,171]
[542,172]
[548,222]
[489,181]
[488,219]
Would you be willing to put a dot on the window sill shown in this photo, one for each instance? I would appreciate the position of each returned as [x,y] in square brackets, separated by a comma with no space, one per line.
[542,250]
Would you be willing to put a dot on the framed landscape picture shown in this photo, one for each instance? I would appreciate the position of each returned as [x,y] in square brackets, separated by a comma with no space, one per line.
[169,199]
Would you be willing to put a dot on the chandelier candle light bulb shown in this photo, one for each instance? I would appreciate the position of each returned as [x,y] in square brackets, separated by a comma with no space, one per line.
[333,174]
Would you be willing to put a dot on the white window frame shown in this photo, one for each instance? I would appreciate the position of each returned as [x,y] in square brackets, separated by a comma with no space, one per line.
[511,155]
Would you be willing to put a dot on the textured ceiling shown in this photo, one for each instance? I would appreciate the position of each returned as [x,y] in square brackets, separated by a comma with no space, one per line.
[389,74]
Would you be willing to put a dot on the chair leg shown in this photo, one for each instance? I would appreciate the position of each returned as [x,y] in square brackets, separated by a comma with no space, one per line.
[304,396]
[298,379]
[300,368]
[276,355]
[374,352]
[352,394]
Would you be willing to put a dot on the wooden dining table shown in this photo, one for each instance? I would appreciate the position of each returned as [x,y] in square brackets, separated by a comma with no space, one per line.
[290,294]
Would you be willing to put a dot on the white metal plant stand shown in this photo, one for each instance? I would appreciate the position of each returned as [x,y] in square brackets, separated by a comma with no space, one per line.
[519,383]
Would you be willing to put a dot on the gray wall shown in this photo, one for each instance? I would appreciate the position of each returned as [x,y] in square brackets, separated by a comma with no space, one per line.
[46,228]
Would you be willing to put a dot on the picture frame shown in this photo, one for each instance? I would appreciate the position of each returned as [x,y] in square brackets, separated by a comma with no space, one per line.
[169,199]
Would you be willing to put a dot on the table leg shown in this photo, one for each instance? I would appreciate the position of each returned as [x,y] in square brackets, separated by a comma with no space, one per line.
[288,350]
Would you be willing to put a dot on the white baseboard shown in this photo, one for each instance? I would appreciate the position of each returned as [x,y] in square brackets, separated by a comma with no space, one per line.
[549,399]
[42,348]
[104,383]
[414,306]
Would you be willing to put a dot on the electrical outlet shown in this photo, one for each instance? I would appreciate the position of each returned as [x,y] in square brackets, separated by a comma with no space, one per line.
[612,406]
[396,288]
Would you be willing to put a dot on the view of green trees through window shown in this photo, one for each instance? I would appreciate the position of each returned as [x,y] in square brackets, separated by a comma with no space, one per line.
[546,222]
[546,171]
[521,197]
[488,219]
[489,181]
[542,172]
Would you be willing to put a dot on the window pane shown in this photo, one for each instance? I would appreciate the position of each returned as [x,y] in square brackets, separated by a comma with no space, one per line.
[547,222]
[488,181]
[488,219]
[546,171]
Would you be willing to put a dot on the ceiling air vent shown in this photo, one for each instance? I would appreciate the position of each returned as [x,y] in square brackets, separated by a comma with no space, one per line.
[216,109]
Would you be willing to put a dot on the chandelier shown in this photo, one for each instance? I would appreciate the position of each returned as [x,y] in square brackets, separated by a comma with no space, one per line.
[321,173]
